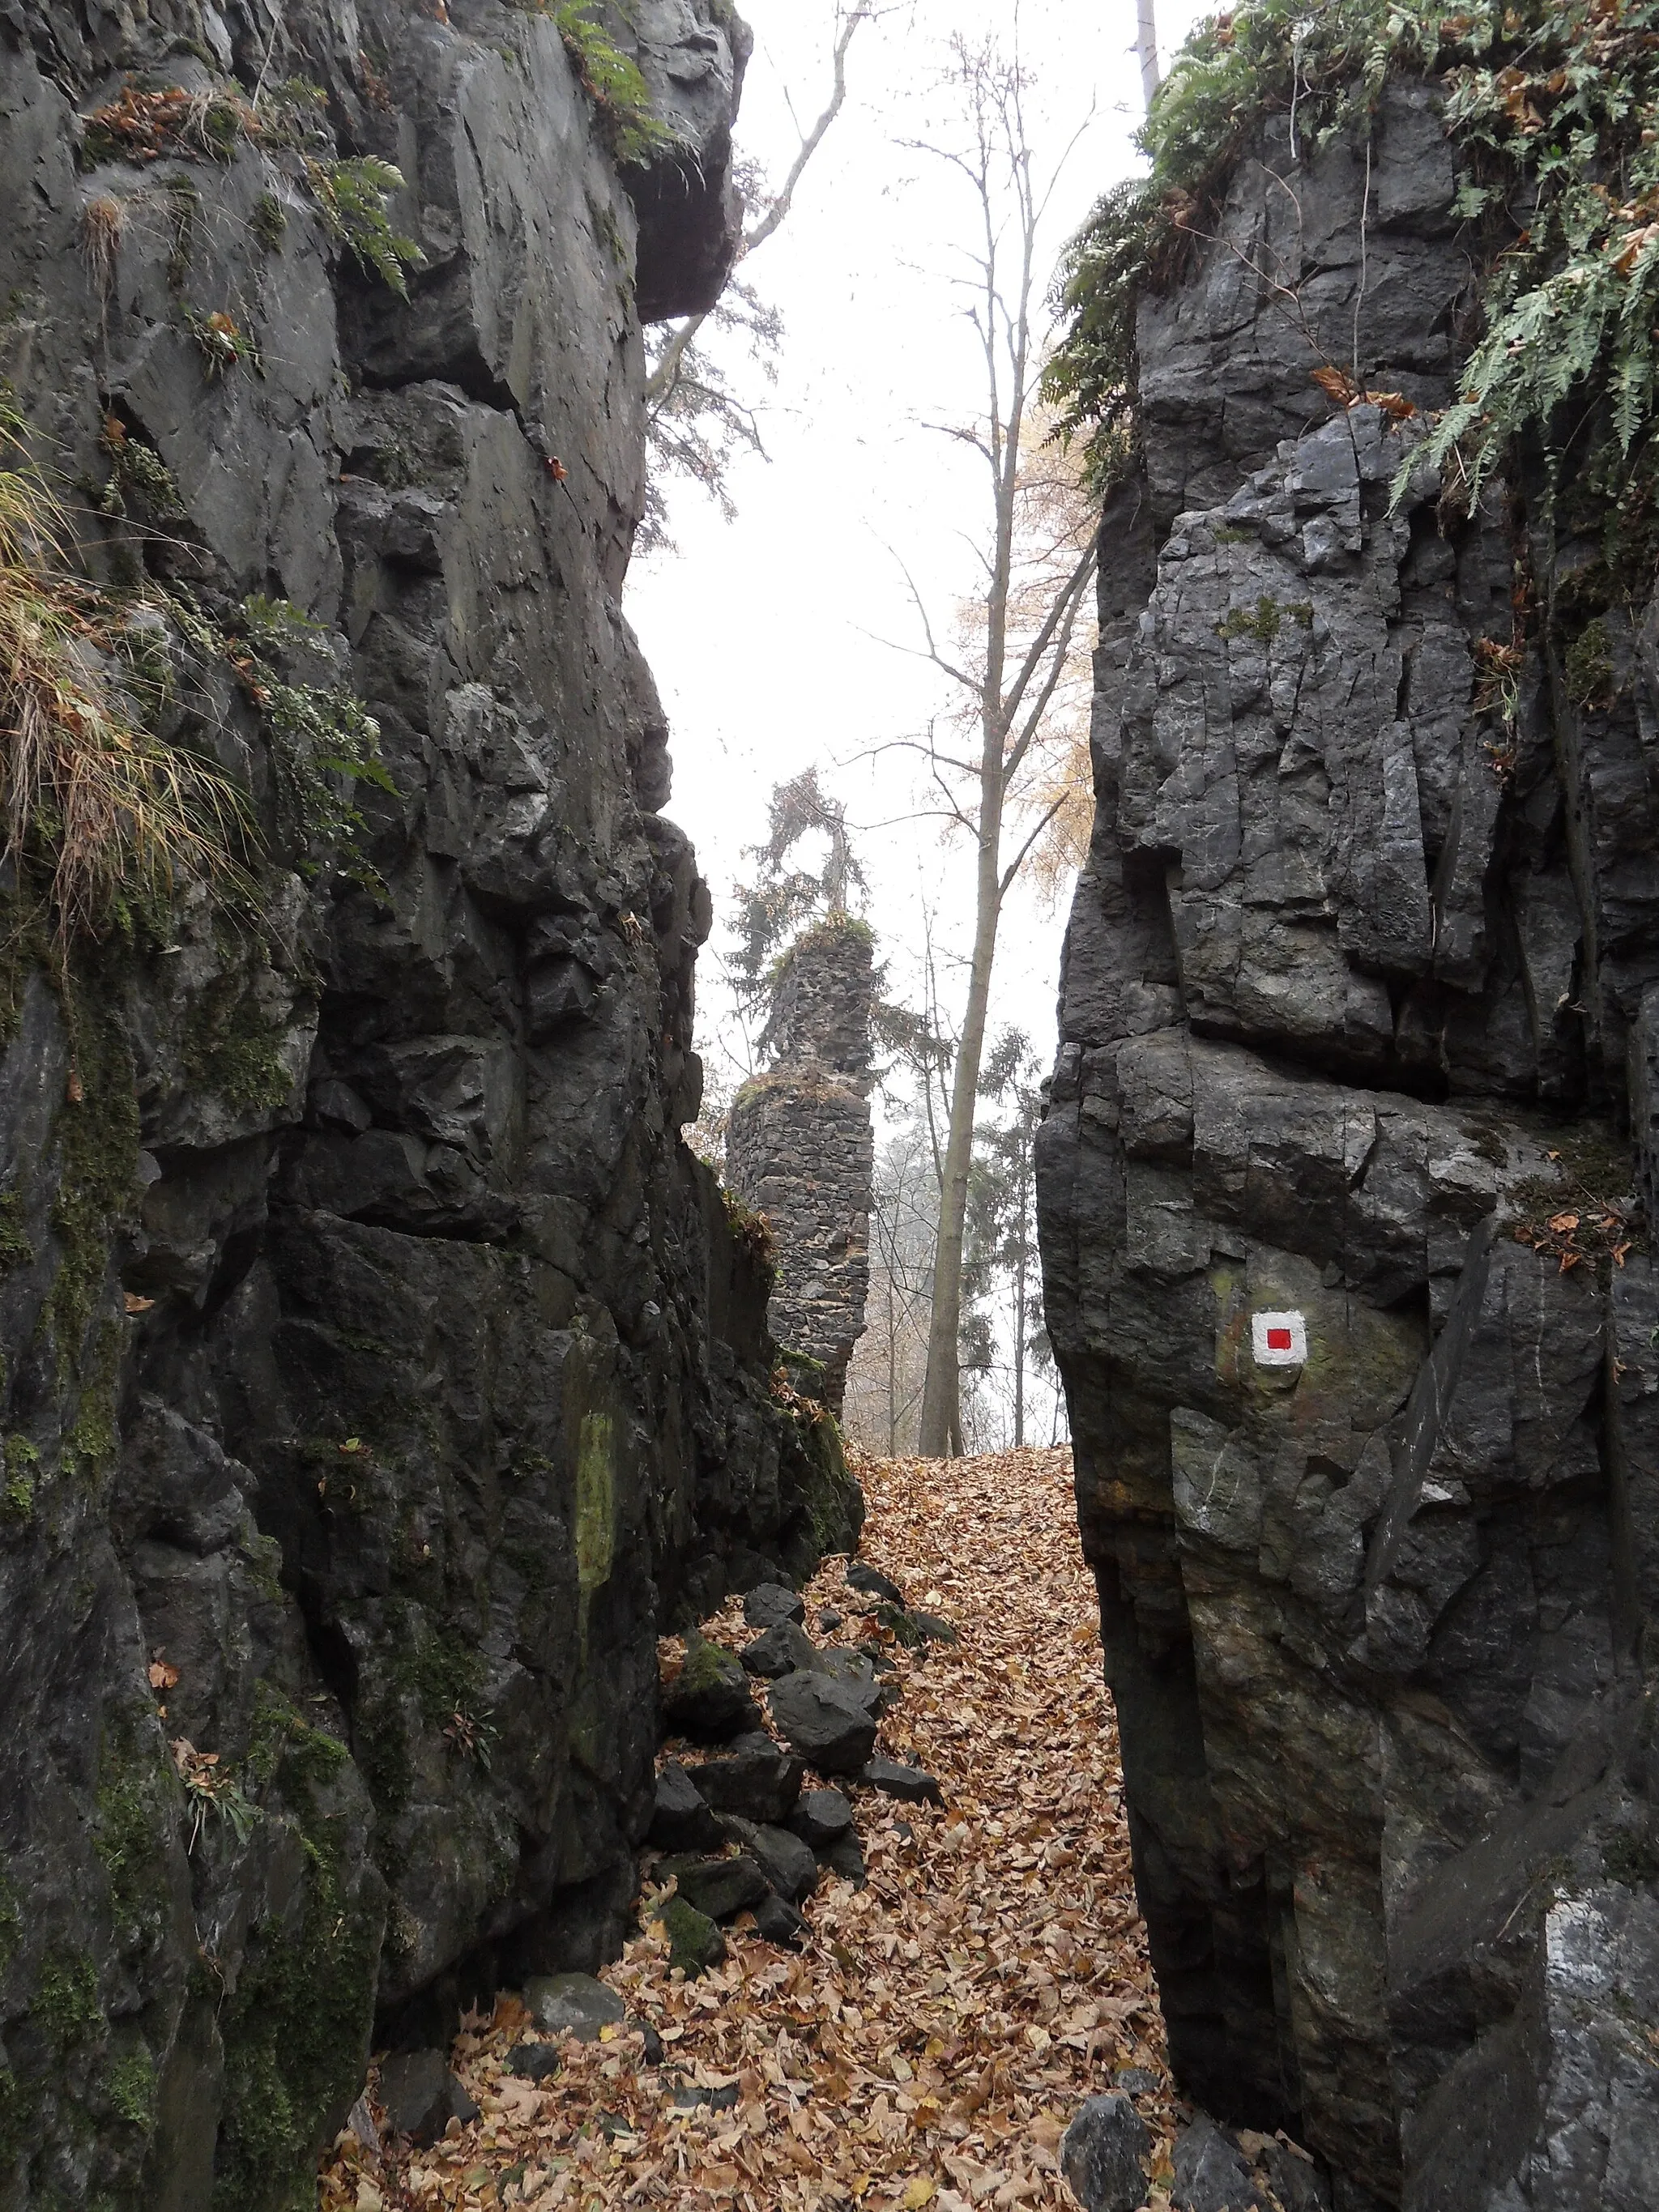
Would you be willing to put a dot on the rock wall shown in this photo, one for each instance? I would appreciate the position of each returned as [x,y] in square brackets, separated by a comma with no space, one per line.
[380,1371]
[800,1150]
[1345,1268]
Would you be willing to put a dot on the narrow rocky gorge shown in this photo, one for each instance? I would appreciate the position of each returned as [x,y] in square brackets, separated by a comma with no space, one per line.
[381,1374]
[921,1964]
[1342,1185]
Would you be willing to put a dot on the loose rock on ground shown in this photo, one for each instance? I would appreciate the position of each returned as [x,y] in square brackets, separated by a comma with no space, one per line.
[937,2030]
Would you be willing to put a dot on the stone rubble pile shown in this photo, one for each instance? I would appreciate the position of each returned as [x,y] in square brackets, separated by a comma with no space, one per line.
[739,1830]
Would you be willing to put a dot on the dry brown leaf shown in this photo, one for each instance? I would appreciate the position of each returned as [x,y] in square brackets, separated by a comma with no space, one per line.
[940,2026]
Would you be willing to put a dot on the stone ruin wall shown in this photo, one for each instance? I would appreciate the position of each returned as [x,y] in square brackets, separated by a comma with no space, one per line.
[800,1149]
[1354,1001]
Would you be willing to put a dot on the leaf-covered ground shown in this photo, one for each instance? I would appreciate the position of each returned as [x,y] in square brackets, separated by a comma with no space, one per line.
[930,2042]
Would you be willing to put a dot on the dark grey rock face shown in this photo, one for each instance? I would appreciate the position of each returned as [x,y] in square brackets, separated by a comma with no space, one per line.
[783,1858]
[755,1779]
[572,2004]
[680,1818]
[380,1373]
[1358,994]
[780,1650]
[800,1152]
[422,2096]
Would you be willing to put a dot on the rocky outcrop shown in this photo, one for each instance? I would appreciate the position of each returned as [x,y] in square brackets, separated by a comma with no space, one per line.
[800,1148]
[1344,1269]
[380,1371]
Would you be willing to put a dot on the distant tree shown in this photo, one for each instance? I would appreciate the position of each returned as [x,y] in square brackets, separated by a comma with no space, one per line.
[785,899]
[1001,1270]
[883,1382]
[697,418]
[1146,49]
[1016,651]
[707,1134]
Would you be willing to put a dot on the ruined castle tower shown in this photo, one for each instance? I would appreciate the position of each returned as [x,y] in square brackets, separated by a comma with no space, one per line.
[798,1149]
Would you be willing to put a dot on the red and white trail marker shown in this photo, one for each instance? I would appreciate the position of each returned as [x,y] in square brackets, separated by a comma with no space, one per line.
[1278,1340]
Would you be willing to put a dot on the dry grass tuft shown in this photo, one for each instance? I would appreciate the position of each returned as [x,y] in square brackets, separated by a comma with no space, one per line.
[108,814]
[103,226]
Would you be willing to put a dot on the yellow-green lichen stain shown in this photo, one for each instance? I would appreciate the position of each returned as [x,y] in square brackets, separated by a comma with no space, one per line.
[596,1506]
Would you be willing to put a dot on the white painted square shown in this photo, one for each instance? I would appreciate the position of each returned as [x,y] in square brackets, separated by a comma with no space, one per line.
[1278,1340]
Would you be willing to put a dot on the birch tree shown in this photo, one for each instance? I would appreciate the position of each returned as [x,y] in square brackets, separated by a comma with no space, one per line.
[1014,650]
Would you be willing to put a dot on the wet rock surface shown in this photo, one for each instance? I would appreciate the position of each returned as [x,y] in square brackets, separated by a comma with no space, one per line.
[381,1373]
[1358,991]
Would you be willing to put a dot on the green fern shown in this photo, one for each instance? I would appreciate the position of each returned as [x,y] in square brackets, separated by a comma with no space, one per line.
[610,77]
[352,199]
[1550,107]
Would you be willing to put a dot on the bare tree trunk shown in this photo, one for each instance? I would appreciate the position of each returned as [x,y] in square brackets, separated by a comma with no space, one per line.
[1019,1353]
[1146,48]
[941,1395]
[1023,656]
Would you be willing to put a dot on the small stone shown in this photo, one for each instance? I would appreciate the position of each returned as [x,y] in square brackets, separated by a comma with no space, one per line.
[779,1652]
[829,1723]
[936,1628]
[1211,2174]
[1136,2081]
[845,1857]
[778,1921]
[695,1943]
[873,1583]
[894,1778]
[722,1888]
[1102,2155]
[1296,2181]
[772,1603]
[572,2004]
[689,2097]
[709,1701]
[787,1863]
[757,1779]
[652,2052]
[820,1817]
[681,1819]
[830,1620]
[533,2062]
[421,2096]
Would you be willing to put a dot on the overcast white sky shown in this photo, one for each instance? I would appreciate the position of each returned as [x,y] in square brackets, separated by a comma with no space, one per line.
[764,633]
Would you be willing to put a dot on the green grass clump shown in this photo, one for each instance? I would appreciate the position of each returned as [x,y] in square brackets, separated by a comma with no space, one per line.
[66,2005]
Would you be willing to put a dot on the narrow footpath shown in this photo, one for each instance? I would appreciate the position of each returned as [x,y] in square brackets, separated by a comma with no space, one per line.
[937,2027]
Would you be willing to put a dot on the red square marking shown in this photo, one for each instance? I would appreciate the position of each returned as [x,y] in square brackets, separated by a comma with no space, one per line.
[1278,1340]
